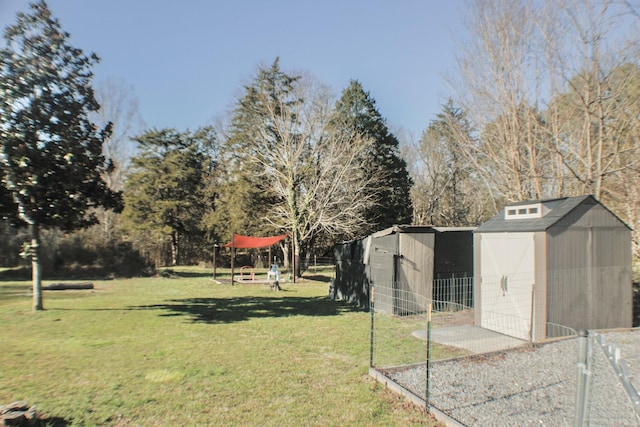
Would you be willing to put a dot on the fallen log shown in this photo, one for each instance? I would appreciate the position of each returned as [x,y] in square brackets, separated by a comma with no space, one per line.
[67,286]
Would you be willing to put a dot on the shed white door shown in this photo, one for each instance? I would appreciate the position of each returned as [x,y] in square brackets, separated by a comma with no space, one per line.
[507,263]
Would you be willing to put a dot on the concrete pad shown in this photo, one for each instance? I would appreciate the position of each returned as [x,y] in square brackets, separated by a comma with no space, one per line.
[472,338]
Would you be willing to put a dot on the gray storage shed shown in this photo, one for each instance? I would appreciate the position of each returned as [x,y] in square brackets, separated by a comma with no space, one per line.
[406,259]
[544,265]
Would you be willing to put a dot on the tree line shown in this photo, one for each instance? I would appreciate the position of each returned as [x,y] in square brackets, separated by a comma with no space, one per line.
[545,106]
[292,159]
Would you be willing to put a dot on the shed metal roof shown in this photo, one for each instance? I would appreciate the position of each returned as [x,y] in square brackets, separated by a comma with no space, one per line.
[418,229]
[559,208]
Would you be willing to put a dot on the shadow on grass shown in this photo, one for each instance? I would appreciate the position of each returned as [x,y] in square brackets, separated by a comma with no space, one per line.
[171,274]
[192,274]
[10,293]
[228,310]
[15,274]
[54,422]
[318,278]
[18,287]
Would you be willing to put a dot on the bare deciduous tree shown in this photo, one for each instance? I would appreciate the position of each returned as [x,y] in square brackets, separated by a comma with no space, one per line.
[500,88]
[314,169]
[552,89]
[445,191]
[285,137]
[119,106]
[593,110]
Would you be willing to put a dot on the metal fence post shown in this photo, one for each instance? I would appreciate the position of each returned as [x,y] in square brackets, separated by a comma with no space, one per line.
[371,337]
[428,355]
[583,378]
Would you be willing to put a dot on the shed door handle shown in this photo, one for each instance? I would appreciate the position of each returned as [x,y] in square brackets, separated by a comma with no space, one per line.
[504,285]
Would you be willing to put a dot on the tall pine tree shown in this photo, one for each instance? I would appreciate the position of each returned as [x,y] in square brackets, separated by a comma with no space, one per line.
[392,184]
[246,194]
[164,193]
[446,191]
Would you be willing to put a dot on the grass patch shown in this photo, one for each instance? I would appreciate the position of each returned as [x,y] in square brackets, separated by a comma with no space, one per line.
[395,345]
[188,351]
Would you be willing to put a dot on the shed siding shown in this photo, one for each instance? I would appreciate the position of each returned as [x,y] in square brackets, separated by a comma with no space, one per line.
[383,250]
[588,214]
[567,283]
[477,273]
[540,288]
[415,273]
[589,257]
[351,281]
[611,279]
[382,270]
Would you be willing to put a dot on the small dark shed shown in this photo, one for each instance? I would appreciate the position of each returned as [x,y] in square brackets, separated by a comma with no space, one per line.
[351,282]
[406,259]
[544,265]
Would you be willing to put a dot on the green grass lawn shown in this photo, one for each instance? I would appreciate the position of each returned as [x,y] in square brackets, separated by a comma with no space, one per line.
[189,351]
[395,346]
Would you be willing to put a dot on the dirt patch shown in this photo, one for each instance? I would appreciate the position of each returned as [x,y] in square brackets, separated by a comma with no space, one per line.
[456,318]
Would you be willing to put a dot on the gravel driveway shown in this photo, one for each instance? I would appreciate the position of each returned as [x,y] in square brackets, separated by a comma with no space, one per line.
[529,386]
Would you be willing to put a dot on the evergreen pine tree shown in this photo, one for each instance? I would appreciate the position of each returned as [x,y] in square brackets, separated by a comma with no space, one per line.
[164,193]
[50,151]
[246,194]
[392,186]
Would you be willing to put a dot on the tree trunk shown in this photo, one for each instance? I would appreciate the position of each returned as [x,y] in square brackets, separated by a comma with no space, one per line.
[35,267]
[296,256]
[298,266]
[285,257]
[175,254]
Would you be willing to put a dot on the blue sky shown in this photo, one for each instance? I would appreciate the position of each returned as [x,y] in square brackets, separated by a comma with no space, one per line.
[188,60]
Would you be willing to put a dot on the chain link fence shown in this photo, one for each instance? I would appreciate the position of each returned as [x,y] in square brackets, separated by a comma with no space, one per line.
[432,352]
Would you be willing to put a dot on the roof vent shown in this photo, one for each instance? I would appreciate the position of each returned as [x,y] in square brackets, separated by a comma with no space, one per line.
[534,210]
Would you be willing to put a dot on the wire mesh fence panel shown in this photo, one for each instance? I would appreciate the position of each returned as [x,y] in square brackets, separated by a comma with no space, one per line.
[399,321]
[611,398]
[559,331]
[394,342]
[490,373]
[453,292]
[398,317]
[506,304]
[523,386]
